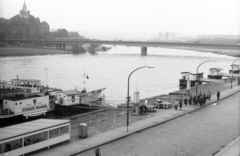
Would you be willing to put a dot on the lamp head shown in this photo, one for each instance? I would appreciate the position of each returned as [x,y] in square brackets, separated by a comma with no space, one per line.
[150,66]
[214,60]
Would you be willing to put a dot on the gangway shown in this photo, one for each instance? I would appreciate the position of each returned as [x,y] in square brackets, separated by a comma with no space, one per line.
[211,80]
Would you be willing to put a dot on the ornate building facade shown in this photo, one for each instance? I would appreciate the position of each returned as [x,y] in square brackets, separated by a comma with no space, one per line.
[24,26]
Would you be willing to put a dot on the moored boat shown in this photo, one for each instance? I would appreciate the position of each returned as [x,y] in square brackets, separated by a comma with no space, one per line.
[23,97]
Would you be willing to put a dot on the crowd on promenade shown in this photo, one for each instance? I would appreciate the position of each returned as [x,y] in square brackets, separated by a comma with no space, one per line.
[194,100]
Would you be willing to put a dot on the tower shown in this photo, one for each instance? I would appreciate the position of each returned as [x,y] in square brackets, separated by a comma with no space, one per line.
[24,13]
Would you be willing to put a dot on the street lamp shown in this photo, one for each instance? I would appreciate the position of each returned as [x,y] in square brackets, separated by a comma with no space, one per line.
[128,92]
[232,72]
[197,73]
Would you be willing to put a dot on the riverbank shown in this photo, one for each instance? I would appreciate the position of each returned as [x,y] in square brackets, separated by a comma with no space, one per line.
[234,53]
[22,51]
[19,51]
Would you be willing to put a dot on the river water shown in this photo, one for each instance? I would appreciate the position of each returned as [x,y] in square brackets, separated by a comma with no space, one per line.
[111,69]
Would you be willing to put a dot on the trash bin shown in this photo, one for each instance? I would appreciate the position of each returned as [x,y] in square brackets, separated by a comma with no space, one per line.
[82,130]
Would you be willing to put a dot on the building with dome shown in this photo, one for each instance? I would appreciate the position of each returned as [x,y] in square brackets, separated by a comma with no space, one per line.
[24,13]
[24,25]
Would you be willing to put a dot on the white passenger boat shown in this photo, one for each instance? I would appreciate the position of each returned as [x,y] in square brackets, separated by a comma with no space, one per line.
[27,97]
[22,97]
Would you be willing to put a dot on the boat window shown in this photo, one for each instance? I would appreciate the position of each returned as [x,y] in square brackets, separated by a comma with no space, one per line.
[15,103]
[20,102]
[6,102]
[12,145]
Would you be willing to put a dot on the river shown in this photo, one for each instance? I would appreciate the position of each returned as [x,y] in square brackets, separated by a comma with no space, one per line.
[111,69]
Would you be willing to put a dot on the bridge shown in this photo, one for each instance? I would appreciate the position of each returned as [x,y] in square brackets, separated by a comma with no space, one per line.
[61,43]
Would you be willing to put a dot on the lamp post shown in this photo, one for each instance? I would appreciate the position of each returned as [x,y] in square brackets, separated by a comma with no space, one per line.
[128,92]
[232,72]
[197,73]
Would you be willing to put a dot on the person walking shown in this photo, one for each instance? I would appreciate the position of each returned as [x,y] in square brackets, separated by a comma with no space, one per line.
[209,95]
[218,95]
[190,100]
[194,100]
[180,103]
[97,151]
[238,81]
[204,99]
[185,101]
[201,100]
[176,104]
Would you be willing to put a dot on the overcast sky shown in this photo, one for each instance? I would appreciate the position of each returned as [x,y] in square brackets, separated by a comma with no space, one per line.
[193,17]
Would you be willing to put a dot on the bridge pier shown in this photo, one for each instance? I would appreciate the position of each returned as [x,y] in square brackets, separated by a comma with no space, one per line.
[64,46]
[144,51]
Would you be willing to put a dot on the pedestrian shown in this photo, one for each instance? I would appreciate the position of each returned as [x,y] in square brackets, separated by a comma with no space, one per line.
[176,104]
[145,109]
[190,100]
[209,95]
[218,95]
[194,100]
[180,103]
[201,100]
[97,151]
[238,81]
[185,101]
[197,100]
[204,99]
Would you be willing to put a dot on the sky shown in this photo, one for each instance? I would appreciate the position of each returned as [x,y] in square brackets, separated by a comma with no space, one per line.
[186,17]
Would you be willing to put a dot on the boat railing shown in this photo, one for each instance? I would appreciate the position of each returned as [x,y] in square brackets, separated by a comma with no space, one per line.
[112,104]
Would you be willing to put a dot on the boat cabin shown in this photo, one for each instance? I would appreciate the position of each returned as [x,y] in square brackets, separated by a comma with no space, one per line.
[235,68]
[31,85]
[23,97]
[190,76]
[185,76]
[214,73]
[68,97]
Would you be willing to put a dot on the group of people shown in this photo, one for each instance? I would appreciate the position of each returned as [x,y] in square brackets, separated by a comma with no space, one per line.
[199,99]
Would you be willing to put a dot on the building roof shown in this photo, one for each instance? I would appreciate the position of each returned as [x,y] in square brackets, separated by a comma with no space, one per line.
[217,68]
[28,127]
[191,73]
[71,92]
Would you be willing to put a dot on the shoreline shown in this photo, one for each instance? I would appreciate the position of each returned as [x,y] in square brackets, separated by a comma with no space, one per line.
[233,53]
[24,51]
[16,50]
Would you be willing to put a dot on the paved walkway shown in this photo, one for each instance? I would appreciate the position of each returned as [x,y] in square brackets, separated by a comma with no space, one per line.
[71,148]
[232,149]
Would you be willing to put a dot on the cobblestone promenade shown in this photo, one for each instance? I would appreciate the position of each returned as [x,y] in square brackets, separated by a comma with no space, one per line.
[201,133]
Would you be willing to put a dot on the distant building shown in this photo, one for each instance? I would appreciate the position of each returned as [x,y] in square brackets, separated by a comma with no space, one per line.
[23,25]
[168,36]
[161,36]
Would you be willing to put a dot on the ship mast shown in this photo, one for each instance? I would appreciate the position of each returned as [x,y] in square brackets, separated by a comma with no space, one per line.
[46,78]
